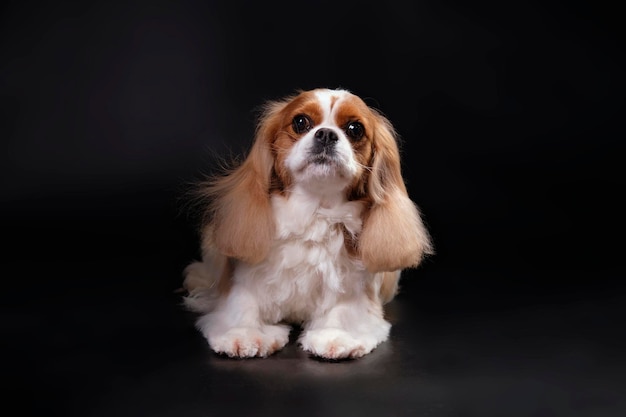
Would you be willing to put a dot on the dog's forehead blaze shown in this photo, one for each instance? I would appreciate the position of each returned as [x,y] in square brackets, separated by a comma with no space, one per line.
[333,100]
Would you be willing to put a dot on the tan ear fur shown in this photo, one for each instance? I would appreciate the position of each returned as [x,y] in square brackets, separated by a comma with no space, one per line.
[393,236]
[240,220]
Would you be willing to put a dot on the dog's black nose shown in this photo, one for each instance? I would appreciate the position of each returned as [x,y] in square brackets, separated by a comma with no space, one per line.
[326,137]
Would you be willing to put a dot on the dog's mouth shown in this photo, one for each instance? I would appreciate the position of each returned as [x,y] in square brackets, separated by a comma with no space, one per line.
[323,158]
[326,165]
[329,163]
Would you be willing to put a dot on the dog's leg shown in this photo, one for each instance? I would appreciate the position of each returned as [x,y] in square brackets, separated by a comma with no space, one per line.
[236,329]
[351,329]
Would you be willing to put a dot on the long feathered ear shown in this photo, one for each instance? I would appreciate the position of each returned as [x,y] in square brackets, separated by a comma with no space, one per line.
[240,223]
[393,235]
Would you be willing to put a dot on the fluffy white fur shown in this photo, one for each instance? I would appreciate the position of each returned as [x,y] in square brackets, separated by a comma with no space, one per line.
[307,231]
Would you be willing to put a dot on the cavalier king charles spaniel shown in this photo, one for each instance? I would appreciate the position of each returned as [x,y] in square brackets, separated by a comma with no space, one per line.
[311,229]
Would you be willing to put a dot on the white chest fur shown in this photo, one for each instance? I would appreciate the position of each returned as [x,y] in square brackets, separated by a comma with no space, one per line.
[308,268]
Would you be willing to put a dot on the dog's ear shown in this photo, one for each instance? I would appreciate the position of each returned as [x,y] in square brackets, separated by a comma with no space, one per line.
[240,220]
[393,235]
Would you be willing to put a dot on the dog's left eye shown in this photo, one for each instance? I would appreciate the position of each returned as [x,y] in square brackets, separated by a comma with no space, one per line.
[355,130]
[301,123]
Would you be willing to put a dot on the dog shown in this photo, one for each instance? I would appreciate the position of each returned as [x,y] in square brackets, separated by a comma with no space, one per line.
[312,229]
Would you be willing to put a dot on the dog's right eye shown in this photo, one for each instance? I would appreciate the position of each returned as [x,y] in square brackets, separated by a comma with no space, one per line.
[301,123]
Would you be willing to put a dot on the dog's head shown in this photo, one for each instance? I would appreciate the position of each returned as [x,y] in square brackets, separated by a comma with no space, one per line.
[323,140]
[329,142]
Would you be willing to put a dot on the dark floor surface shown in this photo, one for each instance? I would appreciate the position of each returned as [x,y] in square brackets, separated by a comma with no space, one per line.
[93,331]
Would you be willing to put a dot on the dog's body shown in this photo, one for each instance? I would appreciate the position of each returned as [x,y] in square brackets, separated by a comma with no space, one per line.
[312,228]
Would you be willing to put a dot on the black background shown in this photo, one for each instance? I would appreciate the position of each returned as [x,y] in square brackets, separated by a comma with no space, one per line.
[511,119]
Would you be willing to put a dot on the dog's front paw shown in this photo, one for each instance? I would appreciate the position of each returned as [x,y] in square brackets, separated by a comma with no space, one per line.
[249,342]
[336,344]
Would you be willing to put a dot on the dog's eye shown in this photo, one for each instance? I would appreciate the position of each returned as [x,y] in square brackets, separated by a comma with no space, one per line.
[355,130]
[301,123]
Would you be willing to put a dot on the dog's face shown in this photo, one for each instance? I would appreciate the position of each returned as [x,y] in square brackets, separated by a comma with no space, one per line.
[323,137]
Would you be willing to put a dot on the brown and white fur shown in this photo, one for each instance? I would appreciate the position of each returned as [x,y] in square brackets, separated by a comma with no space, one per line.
[312,228]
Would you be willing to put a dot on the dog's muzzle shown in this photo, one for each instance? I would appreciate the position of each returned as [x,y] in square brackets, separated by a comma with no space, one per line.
[323,149]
